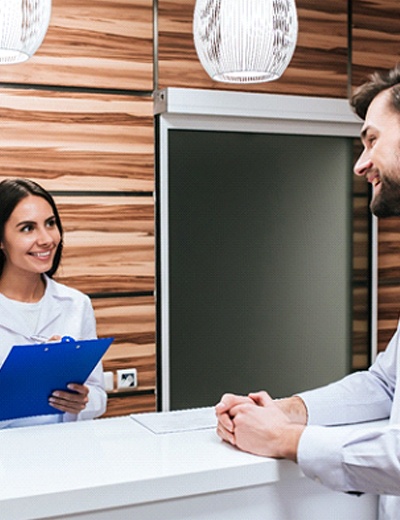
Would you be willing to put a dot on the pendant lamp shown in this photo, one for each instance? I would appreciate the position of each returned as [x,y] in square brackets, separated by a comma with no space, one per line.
[23,26]
[245,41]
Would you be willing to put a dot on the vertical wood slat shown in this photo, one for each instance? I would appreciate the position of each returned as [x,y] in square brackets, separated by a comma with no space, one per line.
[361,341]
[318,67]
[375,37]
[388,278]
[77,141]
[388,313]
[361,239]
[360,328]
[360,185]
[108,243]
[102,44]
[389,250]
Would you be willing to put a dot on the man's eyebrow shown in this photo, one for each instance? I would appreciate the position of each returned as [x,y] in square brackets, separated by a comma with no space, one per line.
[364,132]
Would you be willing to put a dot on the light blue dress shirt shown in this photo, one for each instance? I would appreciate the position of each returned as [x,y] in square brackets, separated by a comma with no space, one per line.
[357,460]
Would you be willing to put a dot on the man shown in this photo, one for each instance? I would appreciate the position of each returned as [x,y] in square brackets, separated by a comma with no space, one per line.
[349,460]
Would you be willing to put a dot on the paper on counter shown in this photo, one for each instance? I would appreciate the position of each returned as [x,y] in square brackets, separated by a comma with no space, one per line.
[178,420]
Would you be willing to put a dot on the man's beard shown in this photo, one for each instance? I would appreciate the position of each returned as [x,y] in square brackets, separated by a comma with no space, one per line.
[387,202]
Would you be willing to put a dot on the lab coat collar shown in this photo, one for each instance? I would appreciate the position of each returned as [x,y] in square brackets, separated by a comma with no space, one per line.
[51,310]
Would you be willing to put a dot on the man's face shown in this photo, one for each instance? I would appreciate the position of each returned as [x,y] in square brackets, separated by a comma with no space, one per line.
[380,159]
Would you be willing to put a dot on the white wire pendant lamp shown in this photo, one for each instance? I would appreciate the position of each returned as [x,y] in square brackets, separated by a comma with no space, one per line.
[23,26]
[245,41]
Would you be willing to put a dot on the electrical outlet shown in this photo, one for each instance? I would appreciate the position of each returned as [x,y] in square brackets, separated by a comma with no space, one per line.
[109,381]
[126,378]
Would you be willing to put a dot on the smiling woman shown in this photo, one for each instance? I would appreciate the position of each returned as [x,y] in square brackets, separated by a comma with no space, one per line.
[32,304]
[30,242]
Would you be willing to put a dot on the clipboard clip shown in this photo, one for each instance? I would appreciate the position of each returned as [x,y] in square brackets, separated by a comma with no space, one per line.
[45,339]
[67,339]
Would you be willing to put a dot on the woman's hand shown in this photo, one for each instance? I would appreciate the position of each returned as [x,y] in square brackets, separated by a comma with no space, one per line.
[72,402]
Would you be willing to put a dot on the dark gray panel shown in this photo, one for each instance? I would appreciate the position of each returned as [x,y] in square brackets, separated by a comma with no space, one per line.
[260,260]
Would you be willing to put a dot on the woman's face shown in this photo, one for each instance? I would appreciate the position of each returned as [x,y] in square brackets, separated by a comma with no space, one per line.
[31,236]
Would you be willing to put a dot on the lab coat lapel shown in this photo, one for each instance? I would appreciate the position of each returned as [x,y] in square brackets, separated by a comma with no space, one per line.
[14,322]
[49,313]
[51,310]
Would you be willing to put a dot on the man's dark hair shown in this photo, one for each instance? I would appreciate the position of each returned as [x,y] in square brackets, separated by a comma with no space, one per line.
[377,83]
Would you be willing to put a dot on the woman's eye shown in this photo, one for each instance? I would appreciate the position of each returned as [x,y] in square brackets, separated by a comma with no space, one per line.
[27,228]
[51,223]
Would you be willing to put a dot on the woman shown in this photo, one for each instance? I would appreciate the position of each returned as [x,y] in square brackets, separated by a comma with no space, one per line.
[33,307]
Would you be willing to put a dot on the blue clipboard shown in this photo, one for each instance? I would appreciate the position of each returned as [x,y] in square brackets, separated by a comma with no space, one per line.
[31,373]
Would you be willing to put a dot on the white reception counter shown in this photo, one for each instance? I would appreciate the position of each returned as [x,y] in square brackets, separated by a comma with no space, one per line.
[117,469]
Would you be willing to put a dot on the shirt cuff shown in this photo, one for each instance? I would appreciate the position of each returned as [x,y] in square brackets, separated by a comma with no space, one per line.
[320,457]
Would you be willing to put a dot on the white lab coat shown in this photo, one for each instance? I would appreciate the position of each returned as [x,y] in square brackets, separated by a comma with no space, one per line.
[363,460]
[65,312]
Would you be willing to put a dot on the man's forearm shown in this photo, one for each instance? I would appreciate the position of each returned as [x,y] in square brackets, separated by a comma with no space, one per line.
[289,441]
[295,408]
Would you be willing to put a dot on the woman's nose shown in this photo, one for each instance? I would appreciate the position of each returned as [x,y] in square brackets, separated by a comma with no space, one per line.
[363,164]
[44,237]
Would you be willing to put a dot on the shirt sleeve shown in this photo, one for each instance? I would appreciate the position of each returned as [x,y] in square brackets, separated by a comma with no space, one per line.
[356,460]
[359,397]
[353,458]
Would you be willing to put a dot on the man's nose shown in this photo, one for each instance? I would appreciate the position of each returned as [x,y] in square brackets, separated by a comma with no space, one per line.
[363,164]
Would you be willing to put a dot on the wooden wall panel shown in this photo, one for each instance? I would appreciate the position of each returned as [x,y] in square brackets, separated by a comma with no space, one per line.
[131,321]
[78,119]
[389,250]
[102,44]
[360,328]
[318,67]
[77,141]
[125,405]
[361,343]
[389,313]
[375,37]
[388,278]
[141,357]
[109,243]
[376,46]
[361,239]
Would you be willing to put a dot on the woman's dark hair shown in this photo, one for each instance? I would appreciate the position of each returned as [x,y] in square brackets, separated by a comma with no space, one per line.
[377,83]
[12,191]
